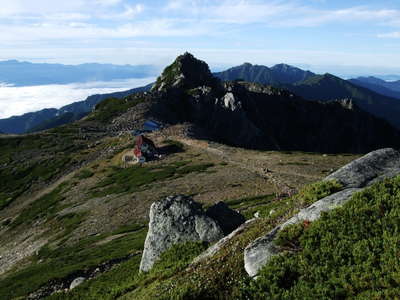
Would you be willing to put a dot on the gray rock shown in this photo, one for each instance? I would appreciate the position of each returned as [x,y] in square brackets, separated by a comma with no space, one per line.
[227,218]
[222,242]
[368,169]
[355,176]
[76,282]
[174,220]
[260,251]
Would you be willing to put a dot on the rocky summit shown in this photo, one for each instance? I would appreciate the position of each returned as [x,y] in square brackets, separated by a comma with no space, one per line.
[185,72]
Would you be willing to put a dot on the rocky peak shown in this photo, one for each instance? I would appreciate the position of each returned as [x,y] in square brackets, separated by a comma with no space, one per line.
[283,67]
[348,103]
[185,72]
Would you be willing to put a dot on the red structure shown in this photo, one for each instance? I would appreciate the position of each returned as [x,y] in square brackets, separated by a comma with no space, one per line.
[144,149]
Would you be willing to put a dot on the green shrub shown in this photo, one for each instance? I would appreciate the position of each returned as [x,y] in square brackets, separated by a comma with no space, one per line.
[288,238]
[112,107]
[35,159]
[43,207]
[57,263]
[133,179]
[315,191]
[126,278]
[85,173]
[350,252]
[177,257]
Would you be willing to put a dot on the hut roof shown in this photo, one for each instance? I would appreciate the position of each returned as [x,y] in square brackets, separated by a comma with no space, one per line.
[141,139]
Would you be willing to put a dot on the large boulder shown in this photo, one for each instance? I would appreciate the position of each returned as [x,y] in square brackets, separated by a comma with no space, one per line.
[368,169]
[227,218]
[355,176]
[175,220]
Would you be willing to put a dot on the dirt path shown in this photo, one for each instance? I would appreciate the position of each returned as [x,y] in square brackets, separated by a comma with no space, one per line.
[231,157]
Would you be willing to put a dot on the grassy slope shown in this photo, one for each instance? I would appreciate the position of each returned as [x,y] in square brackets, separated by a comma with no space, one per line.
[169,279]
[34,161]
[330,263]
[351,252]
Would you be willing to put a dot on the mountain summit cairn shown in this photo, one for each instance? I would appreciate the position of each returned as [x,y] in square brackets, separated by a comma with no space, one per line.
[185,72]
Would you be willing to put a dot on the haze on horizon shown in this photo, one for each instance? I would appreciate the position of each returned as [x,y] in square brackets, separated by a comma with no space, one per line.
[343,37]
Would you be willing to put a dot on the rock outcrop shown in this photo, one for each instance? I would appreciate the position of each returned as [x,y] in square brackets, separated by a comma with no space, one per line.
[255,116]
[371,168]
[178,219]
[368,169]
[76,282]
[185,72]
[227,218]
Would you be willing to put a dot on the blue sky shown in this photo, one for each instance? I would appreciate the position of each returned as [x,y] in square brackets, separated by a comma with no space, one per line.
[338,36]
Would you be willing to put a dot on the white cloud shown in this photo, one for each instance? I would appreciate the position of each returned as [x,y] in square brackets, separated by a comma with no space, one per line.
[131,11]
[278,13]
[48,31]
[108,2]
[20,100]
[391,35]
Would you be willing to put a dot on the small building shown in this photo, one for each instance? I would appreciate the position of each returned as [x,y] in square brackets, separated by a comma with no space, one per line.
[145,149]
[151,125]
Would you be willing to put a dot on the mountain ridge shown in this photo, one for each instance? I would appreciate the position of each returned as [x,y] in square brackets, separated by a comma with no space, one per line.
[255,116]
[322,87]
[276,75]
[390,89]
[19,73]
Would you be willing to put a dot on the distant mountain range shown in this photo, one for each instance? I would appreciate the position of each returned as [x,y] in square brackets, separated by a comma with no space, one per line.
[376,96]
[387,88]
[27,74]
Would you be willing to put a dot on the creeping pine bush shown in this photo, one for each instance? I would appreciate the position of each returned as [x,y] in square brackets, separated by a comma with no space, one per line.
[315,191]
[351,252]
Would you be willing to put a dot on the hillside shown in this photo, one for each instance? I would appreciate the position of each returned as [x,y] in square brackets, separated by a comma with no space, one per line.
[49,118]
[377,100]
[73,214]
[19,73]
[390,89]
[329,87]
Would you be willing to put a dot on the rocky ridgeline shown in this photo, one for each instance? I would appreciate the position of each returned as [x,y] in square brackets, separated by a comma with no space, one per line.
[178,219]
[256,116]
[356,176]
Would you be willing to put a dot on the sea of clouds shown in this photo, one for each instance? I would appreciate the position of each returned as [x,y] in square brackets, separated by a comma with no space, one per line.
[16,101]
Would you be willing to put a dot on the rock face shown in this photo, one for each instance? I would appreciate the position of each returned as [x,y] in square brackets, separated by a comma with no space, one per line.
[222,242]
[255,116]
[358,174]
[186,72]
[368,169]
[227,218]
[76,282]
[178,219]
